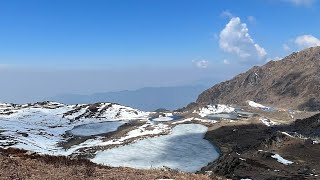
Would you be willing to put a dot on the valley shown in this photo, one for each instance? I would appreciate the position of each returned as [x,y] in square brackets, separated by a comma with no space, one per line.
[160,90]
[217,141]
[262,124]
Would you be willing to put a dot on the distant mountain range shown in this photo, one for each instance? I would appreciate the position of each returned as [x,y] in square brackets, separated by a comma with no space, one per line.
[293,82]
[147,99]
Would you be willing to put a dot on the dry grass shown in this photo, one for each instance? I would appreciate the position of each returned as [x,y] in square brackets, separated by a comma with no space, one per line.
[15,164]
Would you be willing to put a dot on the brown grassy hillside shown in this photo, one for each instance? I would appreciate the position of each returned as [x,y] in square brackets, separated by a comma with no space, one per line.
[15,164]
[293,82]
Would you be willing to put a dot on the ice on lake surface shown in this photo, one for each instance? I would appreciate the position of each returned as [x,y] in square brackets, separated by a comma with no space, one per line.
[220,116]
[183,149]
[96,128]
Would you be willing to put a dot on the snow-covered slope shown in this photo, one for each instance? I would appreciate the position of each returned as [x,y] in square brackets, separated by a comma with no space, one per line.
[40,127]
[214,109]
[110,111]
[103,110]
[6,108]
[83,130]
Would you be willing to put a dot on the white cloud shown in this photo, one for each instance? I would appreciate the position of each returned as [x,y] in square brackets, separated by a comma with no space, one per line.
[235,39]
[301,2]
[286,47]
[306,41]
[225,61]
[201,63]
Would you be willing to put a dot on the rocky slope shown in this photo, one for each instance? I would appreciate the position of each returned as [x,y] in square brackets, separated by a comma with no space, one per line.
[293,82]
[250,150]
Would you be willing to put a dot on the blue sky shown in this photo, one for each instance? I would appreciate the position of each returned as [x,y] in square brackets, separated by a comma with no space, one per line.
[210,38]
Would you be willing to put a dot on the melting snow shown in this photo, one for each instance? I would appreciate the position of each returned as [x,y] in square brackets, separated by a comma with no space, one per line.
[183,149]
[287,134]
[163,119]
[214,109]
[40,128]
[166,117]
[268,122]
[281,159]
[142,131]
[194,119]
[256,105]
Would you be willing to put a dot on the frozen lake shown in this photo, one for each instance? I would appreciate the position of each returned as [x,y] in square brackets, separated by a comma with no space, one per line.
[221,116]
[183,149]
[96,128]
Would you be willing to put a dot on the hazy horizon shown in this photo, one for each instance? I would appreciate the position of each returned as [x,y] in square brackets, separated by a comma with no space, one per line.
[85,47]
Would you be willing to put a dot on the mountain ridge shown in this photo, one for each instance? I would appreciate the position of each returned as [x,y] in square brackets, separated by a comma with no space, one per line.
[147,99]
[293,82]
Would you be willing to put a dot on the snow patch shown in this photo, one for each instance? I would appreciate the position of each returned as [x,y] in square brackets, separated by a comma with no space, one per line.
[281,159]
[268,122]
[195,119]
[256,105]
[163,119]
[142,131]
[287,134]
[214,109]
[183,121]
